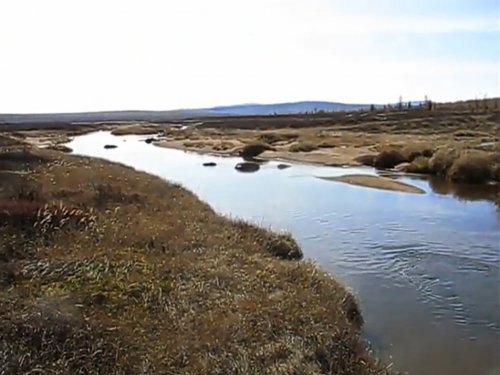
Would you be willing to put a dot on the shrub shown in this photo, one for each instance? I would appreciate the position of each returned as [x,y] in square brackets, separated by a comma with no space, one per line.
[252,150]
[442,160]
[471,167]
[302,147]
[283,246]
[389,158]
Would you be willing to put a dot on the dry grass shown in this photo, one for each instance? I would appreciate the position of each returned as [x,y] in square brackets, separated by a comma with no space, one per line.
[302,147]
[61,148]
[419,165]
[414,150]
[160,284]
[274,137]
[140,129]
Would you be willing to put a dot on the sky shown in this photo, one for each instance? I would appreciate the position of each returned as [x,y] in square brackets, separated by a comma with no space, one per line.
[93,55]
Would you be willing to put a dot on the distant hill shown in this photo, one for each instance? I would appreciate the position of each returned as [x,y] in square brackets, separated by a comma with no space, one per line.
[159,116]
[284,108]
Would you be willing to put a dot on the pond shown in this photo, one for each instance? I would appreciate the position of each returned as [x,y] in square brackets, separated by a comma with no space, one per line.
[424,267]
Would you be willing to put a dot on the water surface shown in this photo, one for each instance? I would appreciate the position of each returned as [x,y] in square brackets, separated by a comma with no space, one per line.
[425,268]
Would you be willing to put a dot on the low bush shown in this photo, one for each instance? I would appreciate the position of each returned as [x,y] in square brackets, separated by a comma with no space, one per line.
[252,150]
[389,158]
[471,167]
[441,161]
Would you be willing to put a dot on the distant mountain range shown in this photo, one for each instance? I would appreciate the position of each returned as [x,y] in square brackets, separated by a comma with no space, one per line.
[159,116]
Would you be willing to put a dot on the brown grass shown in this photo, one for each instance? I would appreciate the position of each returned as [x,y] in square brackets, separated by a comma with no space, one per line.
[140,129]
[161,284]
[302,147]
[415,150]
[61,148]
[419,165]
[274,137]
[368,159]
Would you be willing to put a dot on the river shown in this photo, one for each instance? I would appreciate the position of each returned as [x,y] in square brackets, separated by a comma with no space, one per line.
[424,267]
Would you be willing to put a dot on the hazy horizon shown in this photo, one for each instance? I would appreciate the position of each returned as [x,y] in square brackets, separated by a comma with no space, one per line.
[86,56]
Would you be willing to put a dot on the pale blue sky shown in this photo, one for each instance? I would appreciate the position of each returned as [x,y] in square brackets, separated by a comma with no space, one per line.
[84,55]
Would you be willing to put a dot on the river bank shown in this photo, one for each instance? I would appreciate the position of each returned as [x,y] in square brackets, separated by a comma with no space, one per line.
[154,280]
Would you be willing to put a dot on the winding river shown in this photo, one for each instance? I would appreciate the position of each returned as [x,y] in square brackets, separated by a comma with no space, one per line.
[424,267]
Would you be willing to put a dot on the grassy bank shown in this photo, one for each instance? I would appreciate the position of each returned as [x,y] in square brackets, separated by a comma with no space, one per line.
[107,270]
[380,138]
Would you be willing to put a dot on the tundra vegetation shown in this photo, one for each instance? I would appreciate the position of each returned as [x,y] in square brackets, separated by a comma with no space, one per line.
[107,270]
[457,141]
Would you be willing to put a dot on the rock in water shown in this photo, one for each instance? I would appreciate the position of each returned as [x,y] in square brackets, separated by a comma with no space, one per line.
[247,167]
[283,166]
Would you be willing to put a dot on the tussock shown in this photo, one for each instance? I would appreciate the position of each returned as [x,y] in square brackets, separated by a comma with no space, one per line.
[472,167]
[389,158]
[441,161]
[419,165]
[252,150]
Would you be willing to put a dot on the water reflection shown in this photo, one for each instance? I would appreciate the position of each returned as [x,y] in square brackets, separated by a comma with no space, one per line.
[464,192]
[442,186]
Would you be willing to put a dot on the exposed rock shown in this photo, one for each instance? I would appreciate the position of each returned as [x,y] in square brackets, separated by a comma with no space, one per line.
[110,146]
[209,164]
[283,166]
[247,167]
[149,140]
